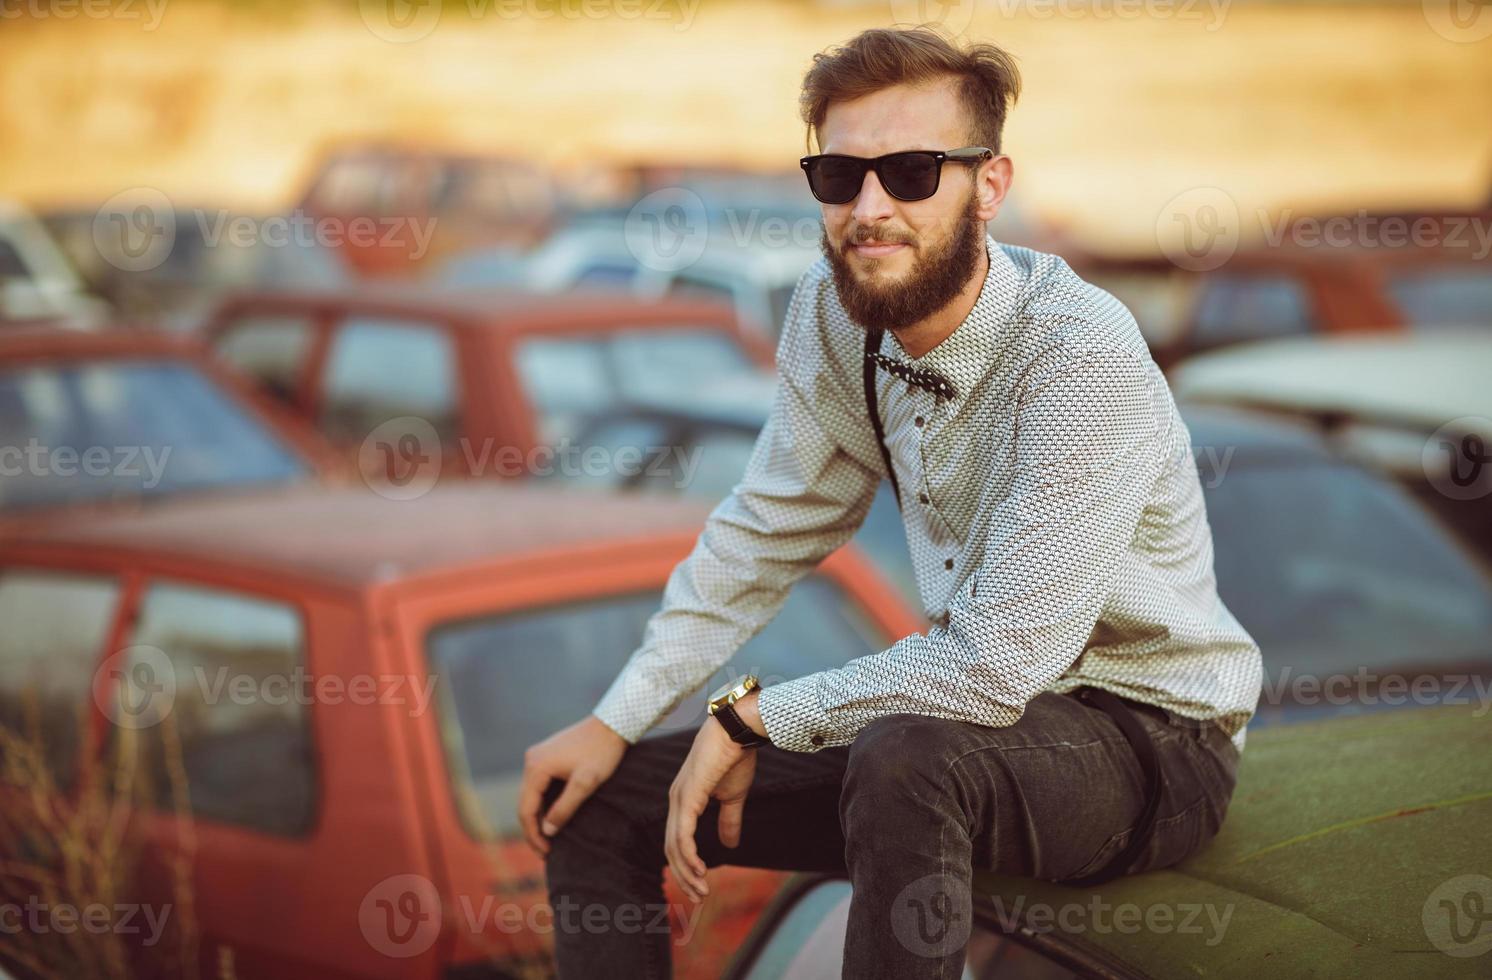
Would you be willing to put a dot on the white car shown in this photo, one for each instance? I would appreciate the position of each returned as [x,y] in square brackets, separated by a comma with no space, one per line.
[37,282]
[753,269]
[1415,406]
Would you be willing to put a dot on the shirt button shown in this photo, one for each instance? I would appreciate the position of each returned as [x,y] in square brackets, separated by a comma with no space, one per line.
[817,740]
[922,497]
[948,564]
[918,421]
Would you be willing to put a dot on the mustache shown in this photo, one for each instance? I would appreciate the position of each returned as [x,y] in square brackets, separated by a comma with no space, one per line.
[861,234]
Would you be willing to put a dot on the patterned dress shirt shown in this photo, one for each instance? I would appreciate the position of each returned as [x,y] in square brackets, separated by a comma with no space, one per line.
[1051,503]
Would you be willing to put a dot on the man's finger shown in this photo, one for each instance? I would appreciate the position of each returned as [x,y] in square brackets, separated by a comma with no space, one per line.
[671,851]
[694,869]
[530,799]
[578,787]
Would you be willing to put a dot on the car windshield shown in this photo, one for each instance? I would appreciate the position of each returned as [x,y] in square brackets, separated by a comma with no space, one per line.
[1449,297]
[91,431]
[1331,569]
[505,682]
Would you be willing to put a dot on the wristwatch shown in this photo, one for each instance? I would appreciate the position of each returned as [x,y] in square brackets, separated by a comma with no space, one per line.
[723,709]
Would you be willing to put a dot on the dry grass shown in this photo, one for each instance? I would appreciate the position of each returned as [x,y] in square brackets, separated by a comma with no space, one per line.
[76,847]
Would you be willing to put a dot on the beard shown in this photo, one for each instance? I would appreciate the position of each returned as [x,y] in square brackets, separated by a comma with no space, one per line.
[935,278]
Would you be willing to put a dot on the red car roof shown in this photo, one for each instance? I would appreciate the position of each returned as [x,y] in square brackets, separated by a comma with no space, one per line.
[353,536]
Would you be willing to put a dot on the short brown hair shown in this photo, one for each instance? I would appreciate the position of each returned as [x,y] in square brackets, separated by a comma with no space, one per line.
[989,81]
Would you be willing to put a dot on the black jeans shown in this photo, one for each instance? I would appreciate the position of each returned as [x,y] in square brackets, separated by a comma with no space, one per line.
[911,808]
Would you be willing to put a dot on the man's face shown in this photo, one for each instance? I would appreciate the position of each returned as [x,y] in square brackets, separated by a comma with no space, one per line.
[897,262]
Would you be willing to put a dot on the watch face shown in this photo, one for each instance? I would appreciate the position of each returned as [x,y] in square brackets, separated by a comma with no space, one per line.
[722,691]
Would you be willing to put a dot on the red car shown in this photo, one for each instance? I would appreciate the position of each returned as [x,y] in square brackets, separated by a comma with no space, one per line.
[1337,274]
[123,416]
[339,689]
[390,209]
[471,378]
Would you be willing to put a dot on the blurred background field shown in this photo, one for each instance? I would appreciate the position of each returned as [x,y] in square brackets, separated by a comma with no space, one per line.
[1313,106]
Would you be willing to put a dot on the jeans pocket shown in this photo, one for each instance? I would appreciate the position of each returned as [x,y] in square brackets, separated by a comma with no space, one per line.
[1104,855]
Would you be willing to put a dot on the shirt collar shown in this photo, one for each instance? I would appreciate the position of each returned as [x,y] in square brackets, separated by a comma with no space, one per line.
[968,354]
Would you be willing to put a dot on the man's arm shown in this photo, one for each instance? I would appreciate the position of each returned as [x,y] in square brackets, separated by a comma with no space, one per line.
[1087,451]
[801,498]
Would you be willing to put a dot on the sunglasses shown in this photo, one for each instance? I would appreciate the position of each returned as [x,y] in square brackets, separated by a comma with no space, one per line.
[911,175]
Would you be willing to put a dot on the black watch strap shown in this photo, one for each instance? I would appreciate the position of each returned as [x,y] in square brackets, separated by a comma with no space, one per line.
[739,732]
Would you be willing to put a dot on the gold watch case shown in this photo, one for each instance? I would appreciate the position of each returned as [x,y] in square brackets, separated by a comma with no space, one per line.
[732,692]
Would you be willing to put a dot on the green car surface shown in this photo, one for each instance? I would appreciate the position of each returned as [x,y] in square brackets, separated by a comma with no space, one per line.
[1353,847]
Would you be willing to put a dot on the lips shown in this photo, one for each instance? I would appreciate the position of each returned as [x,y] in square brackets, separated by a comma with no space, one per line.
[877,249]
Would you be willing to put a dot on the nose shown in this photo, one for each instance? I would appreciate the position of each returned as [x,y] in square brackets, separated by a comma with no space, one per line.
[874,204]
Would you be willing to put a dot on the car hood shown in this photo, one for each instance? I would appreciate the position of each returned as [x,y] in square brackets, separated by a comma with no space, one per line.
[1341,841]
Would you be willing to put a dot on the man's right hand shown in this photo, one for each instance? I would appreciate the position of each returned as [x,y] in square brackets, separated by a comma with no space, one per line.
[584,756]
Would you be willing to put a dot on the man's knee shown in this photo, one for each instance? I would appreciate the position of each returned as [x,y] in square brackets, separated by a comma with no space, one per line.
[898,761]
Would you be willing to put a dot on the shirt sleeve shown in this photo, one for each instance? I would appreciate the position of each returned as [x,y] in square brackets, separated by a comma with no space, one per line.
[802,497]
[1086,453]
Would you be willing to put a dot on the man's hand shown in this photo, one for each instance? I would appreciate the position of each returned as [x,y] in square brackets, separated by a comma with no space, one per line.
[584,756]
[717,768]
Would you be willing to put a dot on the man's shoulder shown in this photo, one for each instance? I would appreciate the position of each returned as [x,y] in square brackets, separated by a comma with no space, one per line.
[818,336]
[1059,315]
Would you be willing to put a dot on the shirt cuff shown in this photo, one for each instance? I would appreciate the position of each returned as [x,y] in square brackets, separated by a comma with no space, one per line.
[631,705]
[794,721]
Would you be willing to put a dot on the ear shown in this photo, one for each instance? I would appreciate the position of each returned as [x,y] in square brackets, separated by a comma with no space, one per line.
[991,183]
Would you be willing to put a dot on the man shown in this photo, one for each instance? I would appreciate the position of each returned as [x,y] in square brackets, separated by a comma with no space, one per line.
[1055,517]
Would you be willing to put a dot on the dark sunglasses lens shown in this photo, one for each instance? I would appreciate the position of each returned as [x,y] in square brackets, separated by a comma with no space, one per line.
[836,180]
[910,176]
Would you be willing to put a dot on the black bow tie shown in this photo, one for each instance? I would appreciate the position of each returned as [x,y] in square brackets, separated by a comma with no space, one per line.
[924,378]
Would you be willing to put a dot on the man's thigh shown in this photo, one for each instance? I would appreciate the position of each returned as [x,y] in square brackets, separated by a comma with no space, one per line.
[1051,796]
[790,823]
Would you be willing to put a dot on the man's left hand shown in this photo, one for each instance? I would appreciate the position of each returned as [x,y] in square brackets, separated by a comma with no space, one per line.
[717,768]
